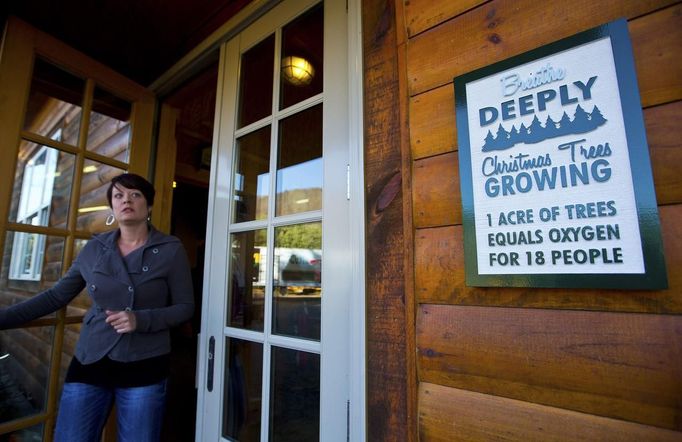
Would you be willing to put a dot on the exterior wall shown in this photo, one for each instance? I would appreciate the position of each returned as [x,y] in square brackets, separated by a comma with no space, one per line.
[501,363]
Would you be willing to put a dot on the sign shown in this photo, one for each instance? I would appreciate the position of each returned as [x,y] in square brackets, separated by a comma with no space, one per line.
[556,182]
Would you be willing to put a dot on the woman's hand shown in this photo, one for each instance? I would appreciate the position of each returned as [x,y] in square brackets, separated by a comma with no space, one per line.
[122,321]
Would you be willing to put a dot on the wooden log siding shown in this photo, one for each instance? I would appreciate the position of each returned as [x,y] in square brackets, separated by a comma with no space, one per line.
[391,379]
[472,416]
[509,363]
[618,365]
[500,29]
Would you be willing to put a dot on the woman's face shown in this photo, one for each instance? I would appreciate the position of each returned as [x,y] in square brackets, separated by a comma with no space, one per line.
[129,205]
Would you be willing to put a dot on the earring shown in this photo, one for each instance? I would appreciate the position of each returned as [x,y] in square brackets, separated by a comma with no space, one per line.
[110,219]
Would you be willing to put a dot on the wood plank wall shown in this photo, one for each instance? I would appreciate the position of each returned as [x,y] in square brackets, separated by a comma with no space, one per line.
[499,363]
[390,405]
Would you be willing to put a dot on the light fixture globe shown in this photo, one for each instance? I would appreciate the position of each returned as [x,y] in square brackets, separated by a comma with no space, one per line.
[297,70]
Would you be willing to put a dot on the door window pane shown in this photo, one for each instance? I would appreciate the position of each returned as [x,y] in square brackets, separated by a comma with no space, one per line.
[54,104]
[299,163]
[252,178]
[295,396]
[302,51]
[93,207]
[42,186]
[109,129]
[34,433]
[82,302]
[35,263]
[297,289]
[247,285]
[24,369]
[242,401]
[255,82]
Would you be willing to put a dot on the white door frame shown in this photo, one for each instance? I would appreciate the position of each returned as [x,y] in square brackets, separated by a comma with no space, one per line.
[348,170]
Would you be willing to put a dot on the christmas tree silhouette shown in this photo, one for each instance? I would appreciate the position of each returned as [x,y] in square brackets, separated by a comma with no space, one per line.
[513,135]
[564,124]
[596,118]
[536,132]
[489,142]
[582,122]
[502,139]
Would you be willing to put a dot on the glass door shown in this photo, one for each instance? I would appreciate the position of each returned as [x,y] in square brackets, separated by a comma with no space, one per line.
[275,352]
[67,126]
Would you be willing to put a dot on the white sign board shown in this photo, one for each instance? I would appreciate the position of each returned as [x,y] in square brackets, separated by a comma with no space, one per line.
[548,166]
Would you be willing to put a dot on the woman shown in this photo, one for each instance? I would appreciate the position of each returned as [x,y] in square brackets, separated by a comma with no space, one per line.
[140,285]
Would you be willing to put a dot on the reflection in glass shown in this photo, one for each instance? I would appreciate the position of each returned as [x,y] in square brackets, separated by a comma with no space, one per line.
[24,370]
[299,163]
[93,207]
[54,104]
[42,186]
[243,390]
[71,334]
[34,433]
[295,396]
[247,287]
[302,57]
[297,288]
[82,302]
[109,129]
[252,178]
[255,82]
[35,263]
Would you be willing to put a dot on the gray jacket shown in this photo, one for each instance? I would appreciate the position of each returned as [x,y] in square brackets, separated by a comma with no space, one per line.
[156,286]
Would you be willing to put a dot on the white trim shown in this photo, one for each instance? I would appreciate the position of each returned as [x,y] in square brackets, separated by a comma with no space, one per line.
[358,357]
[216,247]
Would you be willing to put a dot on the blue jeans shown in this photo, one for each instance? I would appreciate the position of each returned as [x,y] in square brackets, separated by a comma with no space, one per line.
[84,408]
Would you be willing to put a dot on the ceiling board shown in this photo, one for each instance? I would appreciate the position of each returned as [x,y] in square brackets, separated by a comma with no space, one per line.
[140,39]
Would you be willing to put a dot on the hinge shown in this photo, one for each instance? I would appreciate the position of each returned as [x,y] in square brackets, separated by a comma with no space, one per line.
[347,421]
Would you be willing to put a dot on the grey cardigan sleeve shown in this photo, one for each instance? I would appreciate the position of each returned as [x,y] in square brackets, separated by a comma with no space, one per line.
[45,302]
[180,298]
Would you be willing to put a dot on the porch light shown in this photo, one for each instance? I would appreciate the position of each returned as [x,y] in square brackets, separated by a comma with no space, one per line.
[297,70]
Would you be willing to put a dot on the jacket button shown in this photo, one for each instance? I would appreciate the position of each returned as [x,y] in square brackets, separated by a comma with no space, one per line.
[145,269]
[155,250]
[130,289]
[93,287]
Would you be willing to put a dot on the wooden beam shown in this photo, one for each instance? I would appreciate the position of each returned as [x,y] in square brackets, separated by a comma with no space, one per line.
[387,377]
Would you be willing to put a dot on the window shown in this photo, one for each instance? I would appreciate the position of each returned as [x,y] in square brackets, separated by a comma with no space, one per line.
[34,209]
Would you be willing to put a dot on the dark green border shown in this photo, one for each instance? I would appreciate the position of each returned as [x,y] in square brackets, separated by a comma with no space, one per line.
[655,276]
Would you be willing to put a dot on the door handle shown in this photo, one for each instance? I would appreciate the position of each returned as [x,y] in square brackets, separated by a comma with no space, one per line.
[211,361]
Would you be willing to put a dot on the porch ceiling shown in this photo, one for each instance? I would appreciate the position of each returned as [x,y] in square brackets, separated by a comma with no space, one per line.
[140,39]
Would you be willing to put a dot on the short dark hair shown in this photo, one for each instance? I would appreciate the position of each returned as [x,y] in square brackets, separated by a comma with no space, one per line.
[133,181]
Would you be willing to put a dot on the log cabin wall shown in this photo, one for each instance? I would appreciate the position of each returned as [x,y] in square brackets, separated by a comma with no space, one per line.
[505,363]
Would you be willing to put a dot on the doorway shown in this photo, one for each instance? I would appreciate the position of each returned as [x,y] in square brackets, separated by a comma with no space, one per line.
[191,108]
